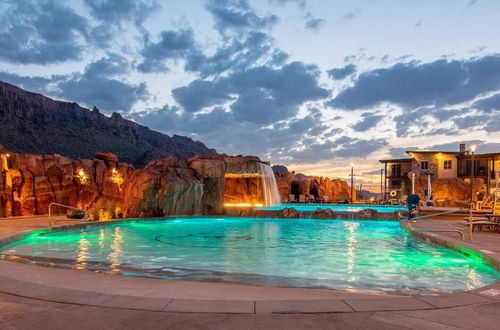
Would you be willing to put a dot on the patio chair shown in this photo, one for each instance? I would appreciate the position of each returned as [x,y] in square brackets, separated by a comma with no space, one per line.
[291,198]
[302,198]
[488,220]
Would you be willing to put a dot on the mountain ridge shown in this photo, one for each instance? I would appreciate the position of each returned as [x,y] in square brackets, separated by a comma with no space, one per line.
[34,123]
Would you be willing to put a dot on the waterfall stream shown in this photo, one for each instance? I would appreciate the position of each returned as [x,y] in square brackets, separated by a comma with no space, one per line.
[269,187]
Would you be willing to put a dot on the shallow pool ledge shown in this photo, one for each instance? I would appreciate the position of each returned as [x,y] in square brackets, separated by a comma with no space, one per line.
[470,249]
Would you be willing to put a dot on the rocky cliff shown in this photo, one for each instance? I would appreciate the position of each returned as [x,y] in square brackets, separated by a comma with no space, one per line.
[33,123]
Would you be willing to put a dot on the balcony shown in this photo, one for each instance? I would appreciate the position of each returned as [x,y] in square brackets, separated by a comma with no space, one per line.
[397,175]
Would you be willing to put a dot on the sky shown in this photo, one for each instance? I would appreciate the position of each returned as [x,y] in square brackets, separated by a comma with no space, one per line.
[311,84]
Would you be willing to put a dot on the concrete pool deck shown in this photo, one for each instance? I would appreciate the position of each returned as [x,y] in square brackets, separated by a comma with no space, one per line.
[104,290]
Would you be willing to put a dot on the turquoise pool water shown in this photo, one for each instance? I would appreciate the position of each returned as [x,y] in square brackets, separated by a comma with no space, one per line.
[338,207]
[339,254]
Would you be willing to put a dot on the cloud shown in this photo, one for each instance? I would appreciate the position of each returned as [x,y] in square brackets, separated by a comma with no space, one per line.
[41,32]
[471,3]
[221,128]
[102,85]
[415,84]
[351,14]
[34,84]
[116,11]
[491,103]
[482,146]
[400,152]
[369,120]
[262,94]
[341,73]
[361,148]
[200,94]
[239,54]
[300,3]
[237,15]
[172,45]
[313,23]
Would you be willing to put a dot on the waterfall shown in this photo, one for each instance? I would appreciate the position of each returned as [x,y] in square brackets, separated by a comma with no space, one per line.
[270,189]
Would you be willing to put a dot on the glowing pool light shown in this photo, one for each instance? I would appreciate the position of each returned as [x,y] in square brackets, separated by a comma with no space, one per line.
[243,205]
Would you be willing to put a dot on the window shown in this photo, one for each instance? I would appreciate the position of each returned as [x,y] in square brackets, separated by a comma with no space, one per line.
[447,164]
[396,170]
[424,165]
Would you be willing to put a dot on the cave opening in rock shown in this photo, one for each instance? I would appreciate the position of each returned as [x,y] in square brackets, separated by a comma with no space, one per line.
[295,189]
[314,189]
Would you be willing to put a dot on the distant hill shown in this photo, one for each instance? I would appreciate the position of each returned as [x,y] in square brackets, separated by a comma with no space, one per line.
[33,123]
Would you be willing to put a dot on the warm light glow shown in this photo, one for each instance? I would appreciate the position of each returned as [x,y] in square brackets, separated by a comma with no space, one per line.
[117,178]
[473,147]
[7,155]
[243,205]
[82,176]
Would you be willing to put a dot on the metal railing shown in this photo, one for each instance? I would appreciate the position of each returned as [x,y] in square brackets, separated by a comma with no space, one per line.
[61,205]
[436,230]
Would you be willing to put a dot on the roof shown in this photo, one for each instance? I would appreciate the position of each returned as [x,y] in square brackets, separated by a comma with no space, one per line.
[396,160]
[491,154]
[431,152]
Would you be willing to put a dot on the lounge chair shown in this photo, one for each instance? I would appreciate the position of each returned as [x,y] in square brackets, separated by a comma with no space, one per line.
[302,198]
[488,220]
[291,198]
[491,225]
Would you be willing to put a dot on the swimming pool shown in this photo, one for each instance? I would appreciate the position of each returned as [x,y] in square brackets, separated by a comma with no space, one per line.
[336,254]
[337,207]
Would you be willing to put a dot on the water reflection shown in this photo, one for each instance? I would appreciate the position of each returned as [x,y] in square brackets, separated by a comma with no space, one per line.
[351,248]
[116,250]
[83,252]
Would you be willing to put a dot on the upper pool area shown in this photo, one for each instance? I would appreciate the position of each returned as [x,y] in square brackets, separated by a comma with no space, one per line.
[337,207]
[336,254]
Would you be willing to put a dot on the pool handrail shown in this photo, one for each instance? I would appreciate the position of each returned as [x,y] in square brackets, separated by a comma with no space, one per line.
[61,205]
[435,231]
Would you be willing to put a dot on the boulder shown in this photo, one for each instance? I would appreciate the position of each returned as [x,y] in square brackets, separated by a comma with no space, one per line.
[289,213]
[162,188]
[106,156]
[366,214]
[320,213]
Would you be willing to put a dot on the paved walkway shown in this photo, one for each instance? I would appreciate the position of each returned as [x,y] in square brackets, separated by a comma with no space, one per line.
[90,300]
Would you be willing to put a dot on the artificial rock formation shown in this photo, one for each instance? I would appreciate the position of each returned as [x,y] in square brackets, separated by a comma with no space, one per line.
[243,183]
[30,183]
[320,213]
[299,184]
[164,187]
[448,192]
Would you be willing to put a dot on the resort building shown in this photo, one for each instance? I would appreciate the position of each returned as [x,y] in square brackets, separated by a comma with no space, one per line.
[439,165]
